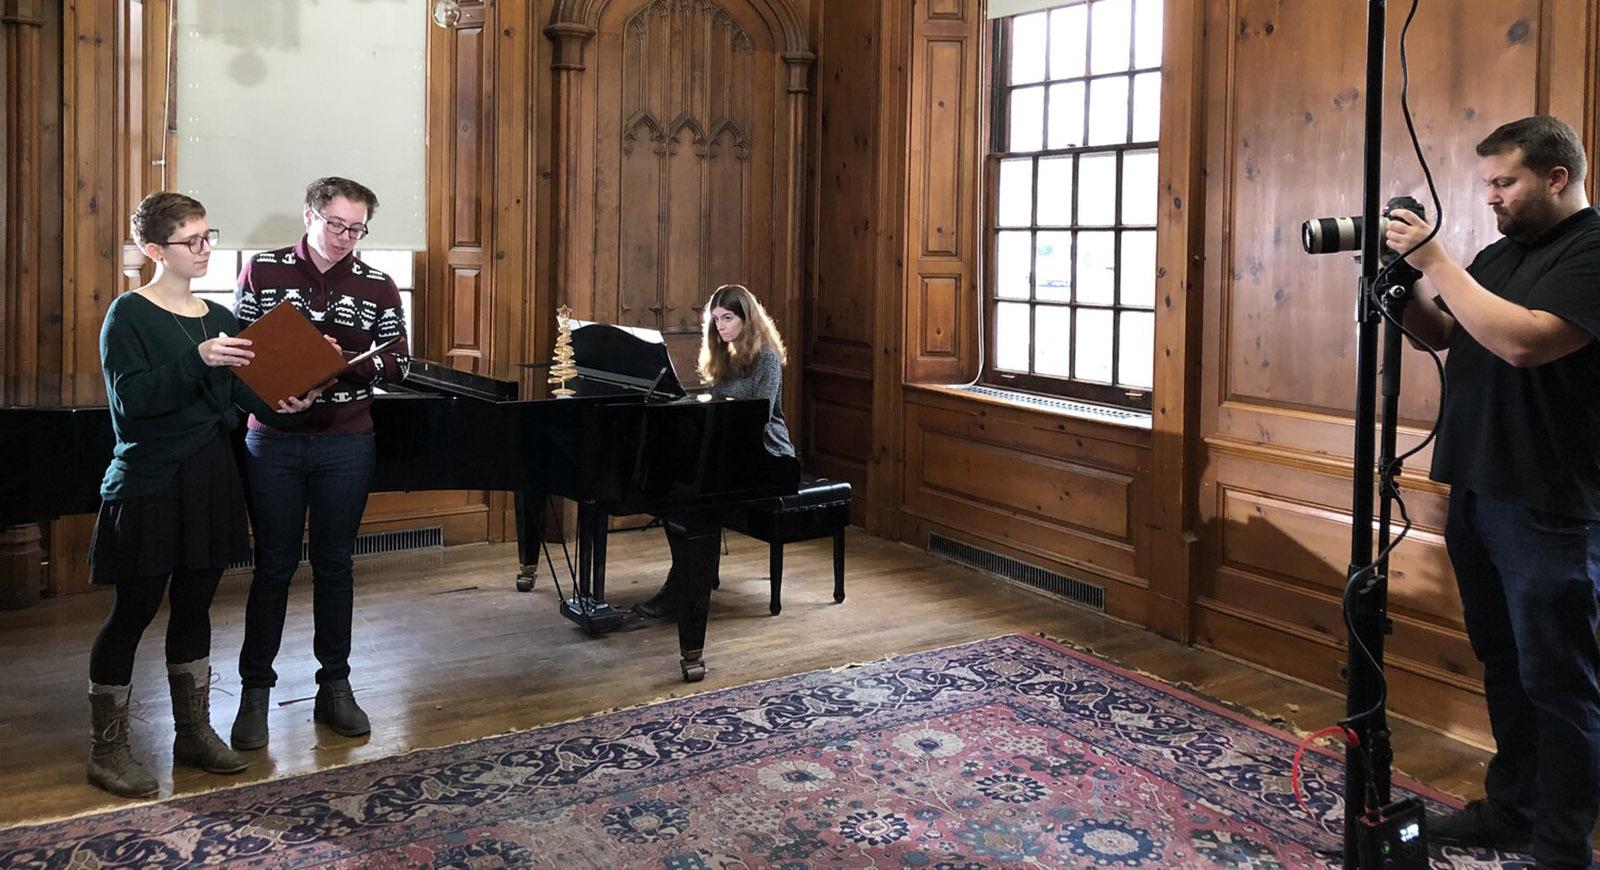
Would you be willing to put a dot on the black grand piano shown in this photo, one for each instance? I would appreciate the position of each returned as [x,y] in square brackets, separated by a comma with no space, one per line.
[629,442]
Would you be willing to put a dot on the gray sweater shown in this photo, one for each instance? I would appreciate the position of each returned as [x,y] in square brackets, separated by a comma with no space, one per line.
[763,381]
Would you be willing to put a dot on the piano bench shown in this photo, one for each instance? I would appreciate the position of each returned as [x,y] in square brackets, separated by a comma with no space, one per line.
[819,509]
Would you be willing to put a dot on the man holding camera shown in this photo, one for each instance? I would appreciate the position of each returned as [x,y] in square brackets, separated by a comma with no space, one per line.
[1519,444]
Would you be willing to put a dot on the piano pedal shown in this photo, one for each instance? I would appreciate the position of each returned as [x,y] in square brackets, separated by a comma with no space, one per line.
[694,670]
[525,577]
[594,617]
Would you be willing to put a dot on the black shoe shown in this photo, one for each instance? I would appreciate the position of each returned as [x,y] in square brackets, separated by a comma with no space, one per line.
[336,708]
[1479,824]
[658,606]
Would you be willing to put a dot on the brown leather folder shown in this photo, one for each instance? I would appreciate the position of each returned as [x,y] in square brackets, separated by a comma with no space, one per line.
[291,356]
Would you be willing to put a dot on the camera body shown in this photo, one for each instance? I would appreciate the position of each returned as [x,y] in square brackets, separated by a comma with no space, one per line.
[1332,235]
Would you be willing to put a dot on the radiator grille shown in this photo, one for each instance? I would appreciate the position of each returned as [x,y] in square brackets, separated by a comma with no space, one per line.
[372,544]
[1081,409]
[1060,585]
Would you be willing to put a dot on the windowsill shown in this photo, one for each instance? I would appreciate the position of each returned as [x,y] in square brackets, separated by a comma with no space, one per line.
[1125,418]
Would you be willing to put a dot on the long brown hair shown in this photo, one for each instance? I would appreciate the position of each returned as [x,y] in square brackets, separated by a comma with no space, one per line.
[719,358]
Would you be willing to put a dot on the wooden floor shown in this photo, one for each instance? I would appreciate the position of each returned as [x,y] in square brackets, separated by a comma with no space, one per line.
[446,650]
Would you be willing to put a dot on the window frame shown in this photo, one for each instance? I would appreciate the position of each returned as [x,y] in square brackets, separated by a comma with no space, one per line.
[998,34]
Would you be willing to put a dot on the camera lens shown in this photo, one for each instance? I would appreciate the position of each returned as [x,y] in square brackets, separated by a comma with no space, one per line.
[1331,235]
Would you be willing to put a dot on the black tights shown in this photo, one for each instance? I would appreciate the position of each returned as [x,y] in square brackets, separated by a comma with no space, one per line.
[134,607]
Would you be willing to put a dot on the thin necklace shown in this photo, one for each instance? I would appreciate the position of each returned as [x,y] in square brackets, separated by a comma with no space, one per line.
[185,329]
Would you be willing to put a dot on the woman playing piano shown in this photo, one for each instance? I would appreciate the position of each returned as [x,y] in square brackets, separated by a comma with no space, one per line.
[741,357]
[172,504]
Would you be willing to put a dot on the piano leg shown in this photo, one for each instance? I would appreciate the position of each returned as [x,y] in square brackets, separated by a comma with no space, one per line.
[696,541]
[530,537]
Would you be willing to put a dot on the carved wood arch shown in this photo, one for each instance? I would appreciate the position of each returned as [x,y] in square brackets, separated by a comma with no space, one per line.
[719,91]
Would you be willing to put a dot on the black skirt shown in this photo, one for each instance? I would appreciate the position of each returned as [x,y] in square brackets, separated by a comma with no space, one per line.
[198,523]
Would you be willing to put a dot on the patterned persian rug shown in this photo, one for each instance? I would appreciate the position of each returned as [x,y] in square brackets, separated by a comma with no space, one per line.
[1002,753]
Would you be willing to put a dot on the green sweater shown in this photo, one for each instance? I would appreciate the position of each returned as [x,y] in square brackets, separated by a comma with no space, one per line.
[166,403]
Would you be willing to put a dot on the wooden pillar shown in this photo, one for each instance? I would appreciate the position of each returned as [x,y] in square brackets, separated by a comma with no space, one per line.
[570,274]
[791,226]
[21,561]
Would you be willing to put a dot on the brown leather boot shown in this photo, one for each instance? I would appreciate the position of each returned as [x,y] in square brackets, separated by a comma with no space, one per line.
[111,763]
[196,743]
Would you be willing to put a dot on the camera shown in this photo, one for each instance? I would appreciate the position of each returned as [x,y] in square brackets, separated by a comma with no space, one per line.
[1332,235]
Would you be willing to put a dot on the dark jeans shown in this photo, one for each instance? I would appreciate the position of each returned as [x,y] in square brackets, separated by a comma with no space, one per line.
[291,476]
[1529,589]
[134,608]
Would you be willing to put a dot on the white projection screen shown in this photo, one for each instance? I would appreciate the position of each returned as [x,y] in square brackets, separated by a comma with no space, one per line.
[271,94]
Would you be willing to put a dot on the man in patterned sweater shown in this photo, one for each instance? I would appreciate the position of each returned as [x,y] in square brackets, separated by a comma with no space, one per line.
[324,468]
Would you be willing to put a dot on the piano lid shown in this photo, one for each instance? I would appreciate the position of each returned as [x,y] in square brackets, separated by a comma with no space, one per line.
[630,357]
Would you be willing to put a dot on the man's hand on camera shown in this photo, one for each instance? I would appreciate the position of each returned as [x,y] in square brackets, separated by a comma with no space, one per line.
[1405,230]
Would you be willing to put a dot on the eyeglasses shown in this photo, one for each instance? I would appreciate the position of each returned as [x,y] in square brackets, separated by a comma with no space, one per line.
[338,227]
[197,244]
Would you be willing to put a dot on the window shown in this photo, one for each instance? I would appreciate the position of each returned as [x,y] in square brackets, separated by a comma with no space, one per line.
[1072,186]
[218,282]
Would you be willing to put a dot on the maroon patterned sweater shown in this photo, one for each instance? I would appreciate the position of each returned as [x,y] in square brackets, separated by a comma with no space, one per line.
[353,302]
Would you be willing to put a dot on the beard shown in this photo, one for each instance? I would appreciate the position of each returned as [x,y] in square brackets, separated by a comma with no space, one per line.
[1528,222]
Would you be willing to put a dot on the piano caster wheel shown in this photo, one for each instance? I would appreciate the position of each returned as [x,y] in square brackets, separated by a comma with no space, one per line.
[525,581]
[693,671]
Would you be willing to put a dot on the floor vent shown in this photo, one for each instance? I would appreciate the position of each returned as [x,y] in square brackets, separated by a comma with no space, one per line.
[372,544]
[1043,579]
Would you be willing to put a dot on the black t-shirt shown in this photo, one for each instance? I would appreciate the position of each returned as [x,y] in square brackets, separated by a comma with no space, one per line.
[1530,436]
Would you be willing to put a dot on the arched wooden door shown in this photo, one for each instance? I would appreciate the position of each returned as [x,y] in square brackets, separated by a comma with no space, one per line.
[678,153]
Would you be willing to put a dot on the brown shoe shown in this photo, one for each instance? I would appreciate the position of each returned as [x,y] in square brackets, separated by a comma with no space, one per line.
[111,763]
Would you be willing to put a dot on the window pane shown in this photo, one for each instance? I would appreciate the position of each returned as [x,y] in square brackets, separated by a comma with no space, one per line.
[1066,115]
[217,296]
[1011,336]
[1136,348]
[1097,189]
[1027,119]
[1108,111]
[1012,260]
[1109,49]
[222,272]
[1092,348]
[1016,193]
[1139,188]
[1147,33]
[1069,41]
[411,330]
[1055,191]
[1146,107]
[1053,267]
[1027,48]
[396,264]
[1097,264]
[1139,269]
[1052,340]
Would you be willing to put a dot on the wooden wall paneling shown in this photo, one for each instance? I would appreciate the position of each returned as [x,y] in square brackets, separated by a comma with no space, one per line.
[1059,491]
[92,127]
[890,214]
[1174,544]
[1276,386]
[22,68]
[854,206]
[942,200]
[463,118]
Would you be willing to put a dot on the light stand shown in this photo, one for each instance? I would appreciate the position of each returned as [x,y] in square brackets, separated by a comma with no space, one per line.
[1367,808]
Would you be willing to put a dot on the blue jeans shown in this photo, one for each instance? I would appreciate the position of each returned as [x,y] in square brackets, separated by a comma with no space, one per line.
[291,476]
[1529,583]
